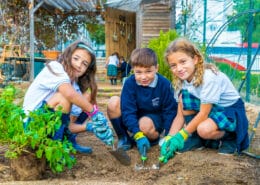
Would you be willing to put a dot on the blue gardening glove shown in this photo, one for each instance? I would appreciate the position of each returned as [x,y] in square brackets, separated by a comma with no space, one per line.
[106,136]
[142,143]
[171,144]
[101,128]
[89,127]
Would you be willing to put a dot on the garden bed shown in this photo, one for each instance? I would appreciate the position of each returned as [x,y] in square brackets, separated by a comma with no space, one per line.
[197,167]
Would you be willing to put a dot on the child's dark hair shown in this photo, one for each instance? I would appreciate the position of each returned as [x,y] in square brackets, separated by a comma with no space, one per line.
[143,57]
[122,58]
[87,80]
[116,54]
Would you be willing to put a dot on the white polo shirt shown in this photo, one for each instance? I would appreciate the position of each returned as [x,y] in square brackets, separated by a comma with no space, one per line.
[44,86]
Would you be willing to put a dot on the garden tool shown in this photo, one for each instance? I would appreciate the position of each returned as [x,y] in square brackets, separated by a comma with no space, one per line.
[144,158]
[120,155]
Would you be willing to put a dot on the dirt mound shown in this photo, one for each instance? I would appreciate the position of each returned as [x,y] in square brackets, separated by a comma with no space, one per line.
[196,167]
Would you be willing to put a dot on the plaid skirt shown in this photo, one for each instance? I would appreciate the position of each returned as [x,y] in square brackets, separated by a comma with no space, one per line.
[111,70]
[222,116]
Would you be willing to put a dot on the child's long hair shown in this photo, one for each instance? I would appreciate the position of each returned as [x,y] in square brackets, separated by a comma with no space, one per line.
[87,80]
[187,47]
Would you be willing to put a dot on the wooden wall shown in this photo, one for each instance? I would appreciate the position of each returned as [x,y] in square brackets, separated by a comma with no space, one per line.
[151,18]
[120,32]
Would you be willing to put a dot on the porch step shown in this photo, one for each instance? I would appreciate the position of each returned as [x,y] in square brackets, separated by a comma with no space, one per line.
[101,74]
[106,91]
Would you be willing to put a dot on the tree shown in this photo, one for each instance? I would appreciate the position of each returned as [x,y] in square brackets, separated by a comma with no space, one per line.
[14,23]
[50,28]
[97,32]
[241,23]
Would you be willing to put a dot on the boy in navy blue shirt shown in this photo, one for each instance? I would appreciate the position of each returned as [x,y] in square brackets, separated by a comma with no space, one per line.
[147,106]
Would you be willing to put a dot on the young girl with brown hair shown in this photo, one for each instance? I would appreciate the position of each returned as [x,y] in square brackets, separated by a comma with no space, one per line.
[210,113]
[61,84]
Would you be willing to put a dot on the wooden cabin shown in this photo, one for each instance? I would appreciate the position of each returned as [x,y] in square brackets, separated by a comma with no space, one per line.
[126,30]
[151,17]
[120,32]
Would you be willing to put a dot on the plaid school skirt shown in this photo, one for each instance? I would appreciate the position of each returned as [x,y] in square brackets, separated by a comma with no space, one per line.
[224,117]
[111,70]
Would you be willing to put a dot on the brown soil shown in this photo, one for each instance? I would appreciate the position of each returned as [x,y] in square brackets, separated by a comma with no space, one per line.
[196,167]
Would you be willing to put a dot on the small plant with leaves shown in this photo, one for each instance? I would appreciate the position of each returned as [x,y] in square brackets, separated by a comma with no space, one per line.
[11,116]
[159,45]
[34,137]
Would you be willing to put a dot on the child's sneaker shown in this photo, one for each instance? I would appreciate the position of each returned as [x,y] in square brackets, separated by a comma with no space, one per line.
[194,142]
[124,142]
[82,149]
[227,147]
[77,147]
[211,143]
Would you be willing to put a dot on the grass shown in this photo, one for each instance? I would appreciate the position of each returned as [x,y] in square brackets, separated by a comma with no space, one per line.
[238,76]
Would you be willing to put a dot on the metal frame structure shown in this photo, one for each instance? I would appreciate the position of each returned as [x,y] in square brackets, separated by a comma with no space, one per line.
[58,7]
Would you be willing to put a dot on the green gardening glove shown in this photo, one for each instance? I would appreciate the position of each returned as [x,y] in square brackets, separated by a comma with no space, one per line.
[172,144]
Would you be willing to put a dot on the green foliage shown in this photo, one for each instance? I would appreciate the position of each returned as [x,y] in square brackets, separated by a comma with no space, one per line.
[97,32]
[241,23]
[237,76]
[35,136]
[13,22]
[159,45]
[10,116]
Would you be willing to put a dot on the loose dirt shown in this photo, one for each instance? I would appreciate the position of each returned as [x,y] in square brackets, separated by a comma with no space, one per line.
[195,167]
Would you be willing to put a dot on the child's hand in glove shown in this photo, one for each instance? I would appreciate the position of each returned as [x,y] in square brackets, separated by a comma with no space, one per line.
[171,144]
[101,128]
[141,142]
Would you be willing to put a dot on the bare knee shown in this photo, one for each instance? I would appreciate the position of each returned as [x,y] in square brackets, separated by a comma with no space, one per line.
[113,107]
[209,130]
[146,125]
[203,131]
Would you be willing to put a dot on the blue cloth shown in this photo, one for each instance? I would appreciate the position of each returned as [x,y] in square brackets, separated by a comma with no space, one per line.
[125,69]
[157,120]
[81,118]
[138,101]
[60,132]
[232,118]
[237,111]
[112,70]
[217,113]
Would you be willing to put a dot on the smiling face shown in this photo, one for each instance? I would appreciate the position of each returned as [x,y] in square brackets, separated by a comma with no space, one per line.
[182,65]
[145,75]
[80,61]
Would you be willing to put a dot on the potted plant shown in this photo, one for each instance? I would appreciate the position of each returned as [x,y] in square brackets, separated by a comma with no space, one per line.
[32,142]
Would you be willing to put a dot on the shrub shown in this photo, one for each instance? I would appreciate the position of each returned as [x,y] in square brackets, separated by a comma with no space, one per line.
[159,45]
[36,136]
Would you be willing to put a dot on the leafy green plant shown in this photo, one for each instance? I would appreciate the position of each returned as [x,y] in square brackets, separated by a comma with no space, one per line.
[96,32]
[159,45]
[10,116]
[34,137]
